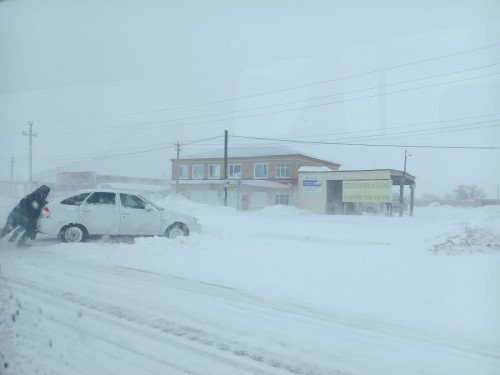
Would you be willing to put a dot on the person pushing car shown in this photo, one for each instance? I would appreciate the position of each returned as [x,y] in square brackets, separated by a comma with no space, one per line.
[25,215]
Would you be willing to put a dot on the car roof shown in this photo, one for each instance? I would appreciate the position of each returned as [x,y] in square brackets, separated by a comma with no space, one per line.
[104,190]
[108,190]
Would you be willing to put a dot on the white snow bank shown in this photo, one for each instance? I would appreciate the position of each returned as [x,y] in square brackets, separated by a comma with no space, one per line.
[379,273]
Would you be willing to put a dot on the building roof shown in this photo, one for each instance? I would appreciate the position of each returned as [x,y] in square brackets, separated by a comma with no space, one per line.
[259,183]
[396,176]
[249,152]
[314,169]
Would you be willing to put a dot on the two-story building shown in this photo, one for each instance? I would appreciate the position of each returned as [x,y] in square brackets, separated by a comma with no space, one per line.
[257,176]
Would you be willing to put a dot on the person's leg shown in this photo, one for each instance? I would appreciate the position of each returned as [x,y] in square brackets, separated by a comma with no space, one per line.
[16,233]
[6,229]
[31,228]
[9,226]
[22,240]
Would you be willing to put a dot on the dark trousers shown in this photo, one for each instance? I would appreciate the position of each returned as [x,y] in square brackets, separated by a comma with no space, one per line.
[20,223]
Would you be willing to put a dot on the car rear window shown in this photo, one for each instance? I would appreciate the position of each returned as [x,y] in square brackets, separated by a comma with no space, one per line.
[75,200]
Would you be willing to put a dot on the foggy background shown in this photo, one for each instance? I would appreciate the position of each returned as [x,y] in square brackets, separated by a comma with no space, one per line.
[111,86]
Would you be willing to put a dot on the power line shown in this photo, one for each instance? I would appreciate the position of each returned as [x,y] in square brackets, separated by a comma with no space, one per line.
[124,154]
[284,110]
[371,145]
[332,95]
[116,156]
[418,132]
[336,94]
[155,147]
[443,129]
[201,140]
[407,126]
[321,104]
[298,86]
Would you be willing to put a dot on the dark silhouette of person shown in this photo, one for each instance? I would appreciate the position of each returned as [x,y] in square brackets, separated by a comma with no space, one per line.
[25,215]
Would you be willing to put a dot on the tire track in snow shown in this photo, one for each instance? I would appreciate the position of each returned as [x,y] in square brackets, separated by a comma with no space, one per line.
[184,332]
[357,328]
[302,312]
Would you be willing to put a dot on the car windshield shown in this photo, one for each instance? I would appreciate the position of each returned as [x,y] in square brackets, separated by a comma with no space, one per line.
[151,203]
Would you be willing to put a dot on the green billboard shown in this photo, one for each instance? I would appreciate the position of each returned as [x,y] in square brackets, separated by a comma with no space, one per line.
[367,191]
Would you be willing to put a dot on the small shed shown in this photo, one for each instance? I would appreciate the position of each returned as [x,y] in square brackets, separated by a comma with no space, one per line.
[325,191]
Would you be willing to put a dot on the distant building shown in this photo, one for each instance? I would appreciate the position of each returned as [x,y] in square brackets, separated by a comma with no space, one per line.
[257,176]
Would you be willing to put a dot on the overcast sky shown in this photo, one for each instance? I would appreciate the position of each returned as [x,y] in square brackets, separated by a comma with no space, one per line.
[112,85]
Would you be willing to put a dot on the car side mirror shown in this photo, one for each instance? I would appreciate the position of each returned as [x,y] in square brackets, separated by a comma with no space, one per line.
[148,207]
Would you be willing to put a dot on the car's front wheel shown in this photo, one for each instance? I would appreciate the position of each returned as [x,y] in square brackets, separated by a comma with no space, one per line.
[73,233]
[177,230]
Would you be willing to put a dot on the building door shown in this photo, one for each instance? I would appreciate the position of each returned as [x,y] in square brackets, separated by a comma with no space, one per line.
[259,200]
[334,197]
[245,202]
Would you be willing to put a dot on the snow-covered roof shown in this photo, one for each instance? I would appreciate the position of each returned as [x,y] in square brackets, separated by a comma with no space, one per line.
[242,152]
[266,183]
[260,183]
[314,169]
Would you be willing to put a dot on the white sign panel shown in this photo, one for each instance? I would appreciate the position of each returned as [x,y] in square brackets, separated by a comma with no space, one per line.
[312,184]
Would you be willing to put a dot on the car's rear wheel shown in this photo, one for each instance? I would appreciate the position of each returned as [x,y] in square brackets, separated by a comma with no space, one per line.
[74,233]
[177,230]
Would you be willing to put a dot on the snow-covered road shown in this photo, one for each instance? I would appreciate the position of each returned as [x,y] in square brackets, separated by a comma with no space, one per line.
[165,307]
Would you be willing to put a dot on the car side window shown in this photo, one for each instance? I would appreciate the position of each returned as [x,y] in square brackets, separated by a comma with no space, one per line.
[75,200]
[101,198]
[132,201]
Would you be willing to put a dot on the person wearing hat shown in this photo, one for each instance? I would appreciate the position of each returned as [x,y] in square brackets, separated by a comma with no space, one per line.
[25,215]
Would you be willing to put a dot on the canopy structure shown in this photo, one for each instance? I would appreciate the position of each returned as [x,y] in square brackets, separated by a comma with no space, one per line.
[339,192]
[403,179]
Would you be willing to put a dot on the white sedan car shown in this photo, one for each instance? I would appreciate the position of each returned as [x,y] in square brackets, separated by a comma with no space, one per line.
[111,212]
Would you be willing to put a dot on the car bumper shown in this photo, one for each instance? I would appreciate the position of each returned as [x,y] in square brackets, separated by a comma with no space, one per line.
[195,228]
[48,227]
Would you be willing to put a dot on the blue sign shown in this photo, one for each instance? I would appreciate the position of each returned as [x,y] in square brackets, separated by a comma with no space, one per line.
[312,181]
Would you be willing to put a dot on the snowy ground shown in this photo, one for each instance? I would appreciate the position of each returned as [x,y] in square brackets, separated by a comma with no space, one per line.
[280,291]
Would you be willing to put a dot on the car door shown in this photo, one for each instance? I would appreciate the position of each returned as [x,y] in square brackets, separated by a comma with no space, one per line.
[100,213]
[138,217]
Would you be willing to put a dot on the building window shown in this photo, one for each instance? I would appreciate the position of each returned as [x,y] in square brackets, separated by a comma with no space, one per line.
[234,171]
[183,171]
[214,171]
[260,170]
[198,171]
[283,170]
[282,199]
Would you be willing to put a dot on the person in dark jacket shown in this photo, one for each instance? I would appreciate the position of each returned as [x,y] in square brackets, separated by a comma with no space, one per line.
[25,215]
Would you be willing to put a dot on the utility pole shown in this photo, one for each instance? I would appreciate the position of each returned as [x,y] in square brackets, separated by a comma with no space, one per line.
[226,181]
[401,186]
[31,135]
[178,149]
